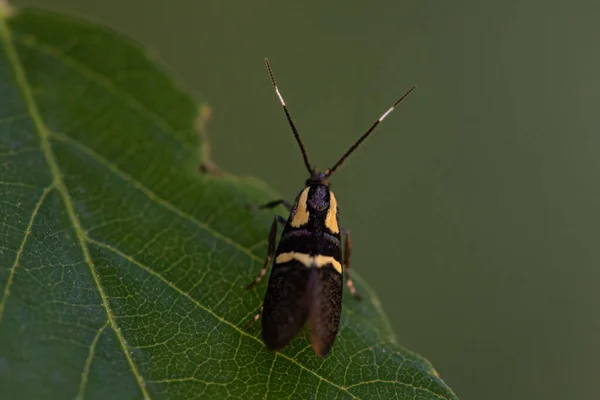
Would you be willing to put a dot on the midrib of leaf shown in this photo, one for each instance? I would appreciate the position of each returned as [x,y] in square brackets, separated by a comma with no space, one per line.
[44,136]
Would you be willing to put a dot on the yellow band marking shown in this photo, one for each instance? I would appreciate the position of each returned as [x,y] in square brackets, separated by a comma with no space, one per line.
[302,214]
[307,260]
[331,219]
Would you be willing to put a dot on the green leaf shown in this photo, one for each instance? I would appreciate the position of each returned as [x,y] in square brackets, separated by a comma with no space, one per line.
[121,265]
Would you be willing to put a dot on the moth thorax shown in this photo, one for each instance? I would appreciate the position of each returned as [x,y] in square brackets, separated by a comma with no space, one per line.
[319,198]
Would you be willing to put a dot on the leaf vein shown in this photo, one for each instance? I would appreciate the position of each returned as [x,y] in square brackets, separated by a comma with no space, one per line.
[169,206]
[218,235]
[12,118]
[44,137]
[20,250]
[202,307]
[101,80]
[151,195]
[19,184]
[269,375]
[415,388]
[88,362]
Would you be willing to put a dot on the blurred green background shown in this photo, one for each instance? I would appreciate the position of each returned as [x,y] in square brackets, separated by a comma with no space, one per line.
[474,208]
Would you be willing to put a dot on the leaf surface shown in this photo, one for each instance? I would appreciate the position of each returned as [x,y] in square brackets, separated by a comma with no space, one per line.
[121,266]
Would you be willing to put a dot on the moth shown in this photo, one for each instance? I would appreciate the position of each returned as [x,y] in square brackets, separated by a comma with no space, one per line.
[306,281]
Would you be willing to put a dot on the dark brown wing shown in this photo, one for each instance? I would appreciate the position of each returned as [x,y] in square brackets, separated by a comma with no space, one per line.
[285,308]
[325,288]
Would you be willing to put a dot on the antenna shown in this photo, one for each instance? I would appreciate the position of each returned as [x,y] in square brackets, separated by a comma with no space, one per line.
[289,118]
[367,133]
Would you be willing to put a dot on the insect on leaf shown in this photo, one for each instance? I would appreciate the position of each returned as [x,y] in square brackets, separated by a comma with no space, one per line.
[122,266]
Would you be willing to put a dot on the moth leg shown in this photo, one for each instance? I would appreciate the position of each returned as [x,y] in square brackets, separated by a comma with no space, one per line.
[254,319]
[271,253]
[275,203]
[347,251]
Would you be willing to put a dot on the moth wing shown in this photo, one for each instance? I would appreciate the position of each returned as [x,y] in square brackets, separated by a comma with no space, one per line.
[325,289]
[285,308]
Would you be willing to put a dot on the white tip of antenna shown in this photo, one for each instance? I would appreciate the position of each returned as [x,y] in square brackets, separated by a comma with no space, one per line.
[385,114]
[279,95]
